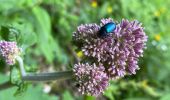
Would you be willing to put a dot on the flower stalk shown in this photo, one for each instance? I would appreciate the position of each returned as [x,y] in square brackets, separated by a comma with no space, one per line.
[41,76]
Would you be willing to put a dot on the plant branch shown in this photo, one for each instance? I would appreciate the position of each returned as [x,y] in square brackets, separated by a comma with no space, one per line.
[41,76]
[47,76]
[36,76]
[6,85]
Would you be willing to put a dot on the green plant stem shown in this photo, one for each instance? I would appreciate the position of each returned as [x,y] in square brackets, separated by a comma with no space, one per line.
[41,76]
[6,85]
[47,76]
[36,76]
[21,65]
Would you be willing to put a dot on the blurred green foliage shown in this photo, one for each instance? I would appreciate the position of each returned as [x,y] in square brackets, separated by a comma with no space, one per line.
[43,28]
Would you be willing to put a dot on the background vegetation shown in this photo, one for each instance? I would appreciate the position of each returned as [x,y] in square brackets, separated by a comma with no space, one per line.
[43,28]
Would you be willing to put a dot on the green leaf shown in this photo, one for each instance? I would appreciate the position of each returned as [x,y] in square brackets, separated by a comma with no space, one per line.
[90,97]
[43,27]
[4,32]
[9,33]
[138,98]
[67,96]
[27,37]
[16,80]
[33,93]
[165,97]
[110,91]
[3,78]
[15,76]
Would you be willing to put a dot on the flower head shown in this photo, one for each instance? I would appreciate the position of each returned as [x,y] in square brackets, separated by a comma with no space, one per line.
[94,4]
[91,78]
[157,37]
[119,52]
[109,9]
[8,51]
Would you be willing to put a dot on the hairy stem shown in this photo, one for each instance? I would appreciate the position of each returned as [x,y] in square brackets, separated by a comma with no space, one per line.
[6,85]
[41,76]
[21,65]
[47,76]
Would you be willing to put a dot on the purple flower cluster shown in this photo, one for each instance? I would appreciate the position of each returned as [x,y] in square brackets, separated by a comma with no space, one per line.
[91,79]
[119,52]
[8,51]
